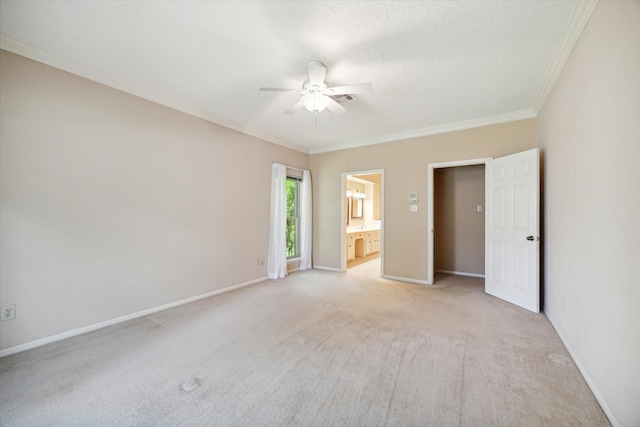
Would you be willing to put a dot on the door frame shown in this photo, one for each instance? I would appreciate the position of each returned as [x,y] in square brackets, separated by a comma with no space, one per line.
[343,255]
[430,207]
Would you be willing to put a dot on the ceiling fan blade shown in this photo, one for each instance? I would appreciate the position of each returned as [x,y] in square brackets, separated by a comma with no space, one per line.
[295,108]
[334,107]
[317,71]
[349,89]
[274,89]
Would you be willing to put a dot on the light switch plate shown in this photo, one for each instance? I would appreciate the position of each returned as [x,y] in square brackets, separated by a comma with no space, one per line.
[413,197]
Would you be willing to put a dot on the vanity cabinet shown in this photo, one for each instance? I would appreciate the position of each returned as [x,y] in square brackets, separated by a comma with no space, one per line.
[362,244]
[368,248]
[351,247]
[375,241]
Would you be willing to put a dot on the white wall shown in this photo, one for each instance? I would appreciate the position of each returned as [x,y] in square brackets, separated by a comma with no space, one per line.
[111,205]
[589,134]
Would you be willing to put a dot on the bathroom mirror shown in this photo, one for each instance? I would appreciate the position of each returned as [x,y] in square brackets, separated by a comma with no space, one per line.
[356,208]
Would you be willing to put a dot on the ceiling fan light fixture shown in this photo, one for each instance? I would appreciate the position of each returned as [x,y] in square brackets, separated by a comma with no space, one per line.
[315,102]
[317,97]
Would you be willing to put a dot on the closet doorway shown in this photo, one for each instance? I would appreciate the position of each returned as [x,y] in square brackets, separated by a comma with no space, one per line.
[459,222]
[459,207]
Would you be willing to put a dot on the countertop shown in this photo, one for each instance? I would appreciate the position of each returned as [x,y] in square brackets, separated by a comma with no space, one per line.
[361,230]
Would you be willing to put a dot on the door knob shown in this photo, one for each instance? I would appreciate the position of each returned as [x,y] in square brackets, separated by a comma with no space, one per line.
[530,238]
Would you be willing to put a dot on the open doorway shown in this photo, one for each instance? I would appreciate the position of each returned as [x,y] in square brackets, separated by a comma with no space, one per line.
[459,222]
[363,218]
[431,200]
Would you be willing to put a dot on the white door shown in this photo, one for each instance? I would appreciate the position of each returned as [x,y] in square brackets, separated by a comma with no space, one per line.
[512,240]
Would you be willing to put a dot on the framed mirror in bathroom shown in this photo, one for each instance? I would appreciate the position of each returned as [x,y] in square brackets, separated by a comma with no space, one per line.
[356,208]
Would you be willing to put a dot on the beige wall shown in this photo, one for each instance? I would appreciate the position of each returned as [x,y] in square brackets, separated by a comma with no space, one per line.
[458,226]
[590,140]
[111,204]
[405,170]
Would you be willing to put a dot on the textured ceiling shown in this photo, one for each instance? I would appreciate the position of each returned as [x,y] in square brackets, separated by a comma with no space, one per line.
[433,65]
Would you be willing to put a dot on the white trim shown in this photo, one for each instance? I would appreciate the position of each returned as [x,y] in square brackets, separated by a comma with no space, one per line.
[320,267]
[405,279]
[596,393]
[579,18]
[433,130]
[19,48]
[461,273]
[96,326]
[430,191]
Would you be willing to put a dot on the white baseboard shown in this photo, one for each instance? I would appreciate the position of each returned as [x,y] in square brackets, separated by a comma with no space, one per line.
[320,267]
[585,375]
[405,279]
[90,328]
[461,273]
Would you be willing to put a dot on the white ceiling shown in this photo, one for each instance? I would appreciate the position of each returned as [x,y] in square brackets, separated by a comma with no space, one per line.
[434,66]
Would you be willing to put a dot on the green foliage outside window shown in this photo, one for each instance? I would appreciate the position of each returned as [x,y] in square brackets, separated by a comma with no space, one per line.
[292,217]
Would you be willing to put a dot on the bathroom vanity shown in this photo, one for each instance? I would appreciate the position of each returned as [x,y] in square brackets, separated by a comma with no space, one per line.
[362,243]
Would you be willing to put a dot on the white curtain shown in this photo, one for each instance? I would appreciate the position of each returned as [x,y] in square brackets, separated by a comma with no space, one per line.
[277,259]
[305,221]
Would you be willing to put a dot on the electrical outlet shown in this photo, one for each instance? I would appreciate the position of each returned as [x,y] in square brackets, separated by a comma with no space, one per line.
[8,312]
[260,261]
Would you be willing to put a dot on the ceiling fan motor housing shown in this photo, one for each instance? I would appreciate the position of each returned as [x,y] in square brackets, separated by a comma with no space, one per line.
[307,87]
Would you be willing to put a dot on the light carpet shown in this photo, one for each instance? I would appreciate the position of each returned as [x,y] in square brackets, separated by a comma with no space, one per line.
[317,348]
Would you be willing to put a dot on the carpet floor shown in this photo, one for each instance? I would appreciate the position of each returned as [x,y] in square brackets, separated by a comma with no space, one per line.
[317,348]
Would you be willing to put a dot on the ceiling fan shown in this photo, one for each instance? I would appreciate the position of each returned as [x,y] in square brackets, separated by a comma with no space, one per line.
[316,96]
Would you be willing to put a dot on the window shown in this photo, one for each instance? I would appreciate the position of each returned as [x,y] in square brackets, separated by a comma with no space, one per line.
[293,218]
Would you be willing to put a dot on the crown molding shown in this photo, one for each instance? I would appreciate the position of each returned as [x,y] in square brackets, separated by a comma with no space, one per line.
[434,130]
[22,49]
[579,18]
[581,14]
